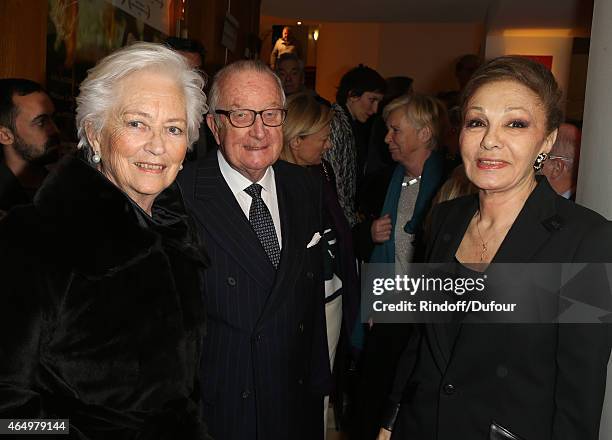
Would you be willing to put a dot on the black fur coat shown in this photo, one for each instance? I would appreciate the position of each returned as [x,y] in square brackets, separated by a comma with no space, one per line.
[101,316]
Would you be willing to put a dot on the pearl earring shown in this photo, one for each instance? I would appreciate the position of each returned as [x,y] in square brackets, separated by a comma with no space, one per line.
[96,158]
[181,167]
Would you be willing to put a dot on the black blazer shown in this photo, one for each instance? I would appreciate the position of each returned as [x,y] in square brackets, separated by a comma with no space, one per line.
[266,342]
[538,381]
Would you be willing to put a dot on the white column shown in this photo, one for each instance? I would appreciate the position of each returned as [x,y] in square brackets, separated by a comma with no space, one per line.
[605,431]
[595,176]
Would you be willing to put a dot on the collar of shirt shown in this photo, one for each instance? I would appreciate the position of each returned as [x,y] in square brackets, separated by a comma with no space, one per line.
[568,194]
[238,183]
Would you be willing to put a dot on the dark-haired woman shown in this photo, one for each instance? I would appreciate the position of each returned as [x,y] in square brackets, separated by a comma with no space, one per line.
[507,381]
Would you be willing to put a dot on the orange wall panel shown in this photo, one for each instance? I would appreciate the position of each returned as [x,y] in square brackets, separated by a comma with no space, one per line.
[426,52]
[205,19]
[342,46]
[23,43]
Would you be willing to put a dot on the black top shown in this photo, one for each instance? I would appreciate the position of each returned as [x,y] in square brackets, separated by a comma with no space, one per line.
[543,381]
[101,317]
[11,192]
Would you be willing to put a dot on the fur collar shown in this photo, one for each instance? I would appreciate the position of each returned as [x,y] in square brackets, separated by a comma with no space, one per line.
[101,229]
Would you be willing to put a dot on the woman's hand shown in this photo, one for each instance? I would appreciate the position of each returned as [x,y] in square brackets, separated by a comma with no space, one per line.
[381,229]
[384,434]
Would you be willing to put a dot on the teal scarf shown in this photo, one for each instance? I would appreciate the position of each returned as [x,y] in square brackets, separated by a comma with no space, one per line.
[431,180]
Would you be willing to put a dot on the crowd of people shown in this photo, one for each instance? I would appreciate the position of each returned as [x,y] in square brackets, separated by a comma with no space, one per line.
[192,270]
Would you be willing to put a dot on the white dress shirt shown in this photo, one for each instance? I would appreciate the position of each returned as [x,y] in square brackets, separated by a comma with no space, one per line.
[238,183]
[568,194]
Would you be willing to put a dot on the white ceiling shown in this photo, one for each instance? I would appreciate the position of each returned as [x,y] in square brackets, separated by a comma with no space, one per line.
[494,13]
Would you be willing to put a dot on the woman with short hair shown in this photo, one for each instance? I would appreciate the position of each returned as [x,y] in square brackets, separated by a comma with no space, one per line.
[360,91]
[521,380]
[415,125]
[102,318]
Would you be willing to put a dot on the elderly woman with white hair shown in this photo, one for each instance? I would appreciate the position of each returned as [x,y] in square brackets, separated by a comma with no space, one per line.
[101,318]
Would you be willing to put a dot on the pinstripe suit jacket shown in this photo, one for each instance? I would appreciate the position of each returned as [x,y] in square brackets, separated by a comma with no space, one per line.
[263,354]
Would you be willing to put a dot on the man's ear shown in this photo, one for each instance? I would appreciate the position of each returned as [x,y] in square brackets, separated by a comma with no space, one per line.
[210,121]
[557,168]
[6,136]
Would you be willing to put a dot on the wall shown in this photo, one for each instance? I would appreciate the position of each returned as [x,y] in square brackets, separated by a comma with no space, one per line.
[23,53]
[426,52]
[390,48]
[265,34]
[342,46]
[23,43]
[557,43]
[204,21]
[594,177]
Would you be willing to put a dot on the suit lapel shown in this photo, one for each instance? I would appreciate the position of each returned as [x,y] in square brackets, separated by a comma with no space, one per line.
[532,222]
[537,221]
[222,217]
[294,231]
[445,248]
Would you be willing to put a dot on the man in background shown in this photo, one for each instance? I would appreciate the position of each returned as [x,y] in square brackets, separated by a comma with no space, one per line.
[286,44]
[29,140]
[192,50]
[195,54]
[561,168]
[290,69]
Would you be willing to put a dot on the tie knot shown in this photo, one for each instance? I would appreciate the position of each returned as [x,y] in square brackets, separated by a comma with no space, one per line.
[254,190]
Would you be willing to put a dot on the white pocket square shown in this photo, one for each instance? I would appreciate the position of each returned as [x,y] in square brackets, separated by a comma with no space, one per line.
[314,240]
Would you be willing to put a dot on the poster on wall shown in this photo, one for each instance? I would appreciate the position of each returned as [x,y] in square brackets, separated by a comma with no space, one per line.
[79,33]
[155,13]
[545,60]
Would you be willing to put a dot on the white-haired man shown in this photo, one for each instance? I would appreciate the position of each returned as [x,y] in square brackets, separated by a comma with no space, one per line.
[264,363]
[561,168]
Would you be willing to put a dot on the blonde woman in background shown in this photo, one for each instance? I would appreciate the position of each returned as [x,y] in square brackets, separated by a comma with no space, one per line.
[456,185]
[306,138]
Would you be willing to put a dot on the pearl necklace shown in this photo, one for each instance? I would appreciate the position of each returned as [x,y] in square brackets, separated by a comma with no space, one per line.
[411,182]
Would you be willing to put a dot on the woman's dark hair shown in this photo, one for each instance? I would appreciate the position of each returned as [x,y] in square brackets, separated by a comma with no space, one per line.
[357,81]
[396,86]
[529,73]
